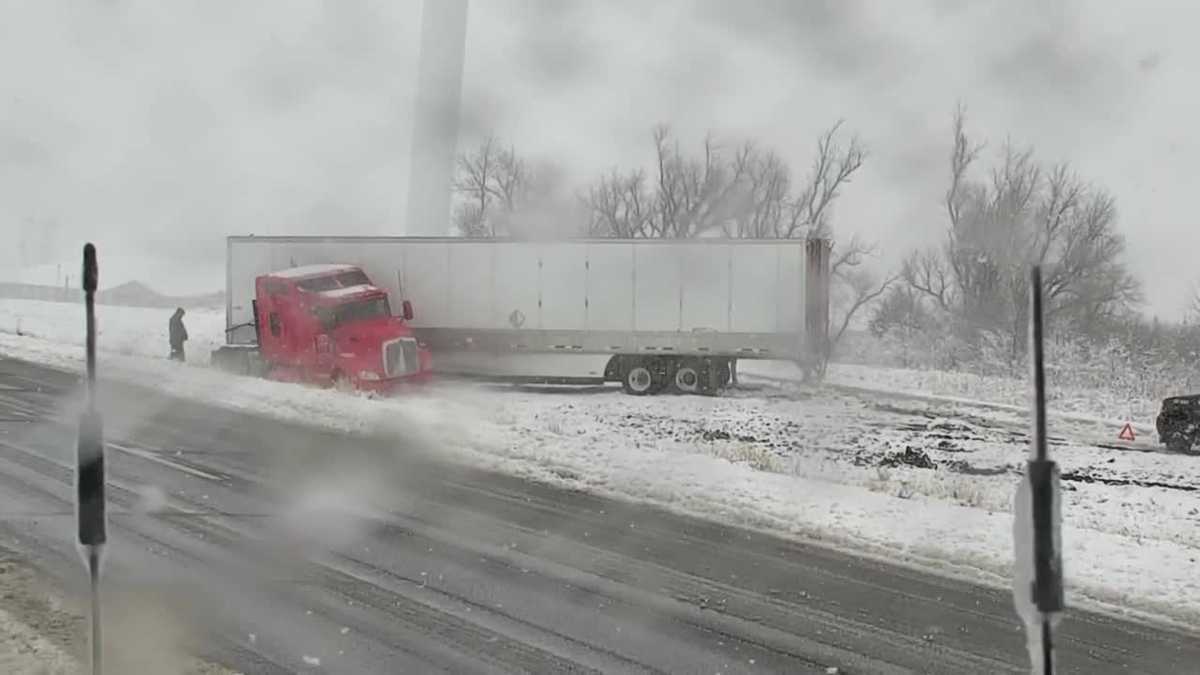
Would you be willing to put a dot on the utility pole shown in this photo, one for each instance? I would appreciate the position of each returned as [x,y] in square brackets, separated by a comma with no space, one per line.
[436,117]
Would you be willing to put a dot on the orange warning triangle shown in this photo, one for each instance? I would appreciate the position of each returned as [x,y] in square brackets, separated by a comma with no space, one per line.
[1126,432]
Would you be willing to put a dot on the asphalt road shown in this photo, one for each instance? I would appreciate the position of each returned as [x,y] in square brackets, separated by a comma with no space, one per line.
[272,547]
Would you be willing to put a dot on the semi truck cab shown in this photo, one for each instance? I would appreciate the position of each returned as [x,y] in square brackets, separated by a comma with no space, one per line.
[329,325]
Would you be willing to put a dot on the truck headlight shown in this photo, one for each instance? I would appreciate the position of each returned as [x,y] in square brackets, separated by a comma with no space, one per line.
[369,376]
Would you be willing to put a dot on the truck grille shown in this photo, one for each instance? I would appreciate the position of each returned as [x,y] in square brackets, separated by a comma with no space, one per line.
[400,357]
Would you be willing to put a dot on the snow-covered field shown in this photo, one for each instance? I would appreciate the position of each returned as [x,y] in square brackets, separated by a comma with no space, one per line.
[131,331]
[1096,404]
[1003,393]
[817,463]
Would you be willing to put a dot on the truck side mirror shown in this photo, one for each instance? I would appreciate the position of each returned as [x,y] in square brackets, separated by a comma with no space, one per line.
[406,310]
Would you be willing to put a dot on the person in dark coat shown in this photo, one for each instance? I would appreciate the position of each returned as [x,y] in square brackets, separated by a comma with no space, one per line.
[177,334]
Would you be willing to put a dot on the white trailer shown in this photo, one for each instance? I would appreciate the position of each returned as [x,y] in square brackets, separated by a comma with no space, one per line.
[653,313]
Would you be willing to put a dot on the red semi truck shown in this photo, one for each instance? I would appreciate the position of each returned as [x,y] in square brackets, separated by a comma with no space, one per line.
[654,315]
[327,325]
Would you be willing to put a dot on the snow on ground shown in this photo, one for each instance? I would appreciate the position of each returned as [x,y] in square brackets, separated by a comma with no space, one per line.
[1094,403]
[1005,393]
[132,331]
[819,463]
[812,467]
[1069,401]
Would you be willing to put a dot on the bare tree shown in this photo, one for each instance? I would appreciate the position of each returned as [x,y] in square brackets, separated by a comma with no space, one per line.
[845,272]
[620,206]
[694,194]
[762,201]
[1023,213]
[901,309]
[492,182]
[746,194]
[851,255]
[473,182]
[682,197]
[962,157]
[470,220]
[831,170]
[773,211]
[865,288]
[926,272]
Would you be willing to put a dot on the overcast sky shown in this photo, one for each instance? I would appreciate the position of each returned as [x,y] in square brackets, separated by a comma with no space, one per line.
[158,127]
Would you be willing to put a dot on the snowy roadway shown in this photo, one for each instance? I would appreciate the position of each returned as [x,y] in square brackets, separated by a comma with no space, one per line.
[275,547]
[782,458]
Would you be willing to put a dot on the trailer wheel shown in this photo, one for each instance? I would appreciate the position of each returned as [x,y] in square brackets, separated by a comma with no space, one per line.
[687,377]
[638,379]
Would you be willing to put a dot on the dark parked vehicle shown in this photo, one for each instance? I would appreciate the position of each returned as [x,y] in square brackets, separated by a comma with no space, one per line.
[1179,422]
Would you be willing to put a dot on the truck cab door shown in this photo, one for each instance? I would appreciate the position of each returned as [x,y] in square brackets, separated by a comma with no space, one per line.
[276,328]
[272,334]
[319,341]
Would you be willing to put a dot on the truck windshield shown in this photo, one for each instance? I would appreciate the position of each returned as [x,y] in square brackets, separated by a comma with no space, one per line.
[359,310]
[354,278]
[328,283]
[317,284]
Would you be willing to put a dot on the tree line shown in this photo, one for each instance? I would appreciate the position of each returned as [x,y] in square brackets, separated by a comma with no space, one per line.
[1004,210]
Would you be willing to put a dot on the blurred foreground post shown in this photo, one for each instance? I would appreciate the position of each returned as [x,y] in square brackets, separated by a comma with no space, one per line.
[1037,514]
[90,460]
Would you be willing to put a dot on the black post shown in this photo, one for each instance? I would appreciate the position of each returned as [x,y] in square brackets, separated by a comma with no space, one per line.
[1038,362]
[1043,477]
[90,459]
